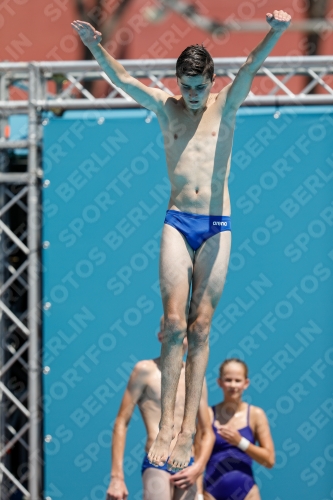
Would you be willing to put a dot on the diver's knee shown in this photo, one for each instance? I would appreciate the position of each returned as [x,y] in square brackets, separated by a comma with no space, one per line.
[199,330]
[174,328]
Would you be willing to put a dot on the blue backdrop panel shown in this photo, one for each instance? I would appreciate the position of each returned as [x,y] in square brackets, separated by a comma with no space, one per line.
[104,202]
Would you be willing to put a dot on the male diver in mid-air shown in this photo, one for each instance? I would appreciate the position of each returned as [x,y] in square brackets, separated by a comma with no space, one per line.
[198,128]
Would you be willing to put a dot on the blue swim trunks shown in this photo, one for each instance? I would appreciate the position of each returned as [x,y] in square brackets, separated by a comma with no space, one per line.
[197,228]
[147,465]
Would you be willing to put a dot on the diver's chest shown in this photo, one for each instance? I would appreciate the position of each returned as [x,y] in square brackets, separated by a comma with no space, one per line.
[183,128]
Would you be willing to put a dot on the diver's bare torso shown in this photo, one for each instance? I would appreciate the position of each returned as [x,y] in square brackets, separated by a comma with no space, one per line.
[198,152]
[150,402]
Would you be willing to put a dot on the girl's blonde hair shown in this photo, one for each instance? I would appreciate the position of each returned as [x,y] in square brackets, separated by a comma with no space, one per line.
[234,360]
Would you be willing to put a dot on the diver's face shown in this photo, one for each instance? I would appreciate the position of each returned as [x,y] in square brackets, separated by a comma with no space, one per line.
[195,90]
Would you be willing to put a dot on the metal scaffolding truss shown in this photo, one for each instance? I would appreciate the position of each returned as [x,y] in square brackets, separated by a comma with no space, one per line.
[31,89]
[19,324]
[71,79]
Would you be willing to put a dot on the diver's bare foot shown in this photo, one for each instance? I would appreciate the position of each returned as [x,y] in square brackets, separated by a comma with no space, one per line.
[159,451]
[181,454]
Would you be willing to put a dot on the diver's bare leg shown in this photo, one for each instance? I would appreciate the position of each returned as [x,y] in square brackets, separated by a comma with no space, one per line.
[209,273]
[189,494]
[175,277]
[156,485]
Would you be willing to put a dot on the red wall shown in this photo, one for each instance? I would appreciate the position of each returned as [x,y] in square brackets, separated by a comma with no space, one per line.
[41,30]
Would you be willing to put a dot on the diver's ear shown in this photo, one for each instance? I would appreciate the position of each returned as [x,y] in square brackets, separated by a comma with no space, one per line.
[213,80]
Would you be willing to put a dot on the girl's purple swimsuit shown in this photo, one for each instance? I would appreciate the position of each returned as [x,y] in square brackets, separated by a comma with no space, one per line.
[228,473]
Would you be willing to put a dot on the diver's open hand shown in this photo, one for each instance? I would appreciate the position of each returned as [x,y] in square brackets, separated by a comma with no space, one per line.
[89,36]
[186,477]
[279,20]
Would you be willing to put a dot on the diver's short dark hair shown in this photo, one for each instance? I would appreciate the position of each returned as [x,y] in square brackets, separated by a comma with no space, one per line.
[195,60]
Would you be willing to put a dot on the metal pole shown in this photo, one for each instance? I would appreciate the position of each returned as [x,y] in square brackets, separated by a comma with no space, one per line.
[33,293]
[2,335]
[3,262]
[14,144]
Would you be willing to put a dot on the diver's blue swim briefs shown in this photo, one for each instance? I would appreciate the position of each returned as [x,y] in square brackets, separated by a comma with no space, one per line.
[147,465]
[197,228]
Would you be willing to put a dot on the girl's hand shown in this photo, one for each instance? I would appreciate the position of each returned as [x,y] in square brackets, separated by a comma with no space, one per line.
[231,435]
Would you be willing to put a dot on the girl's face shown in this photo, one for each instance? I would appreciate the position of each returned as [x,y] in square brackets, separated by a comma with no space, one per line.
[233,381]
